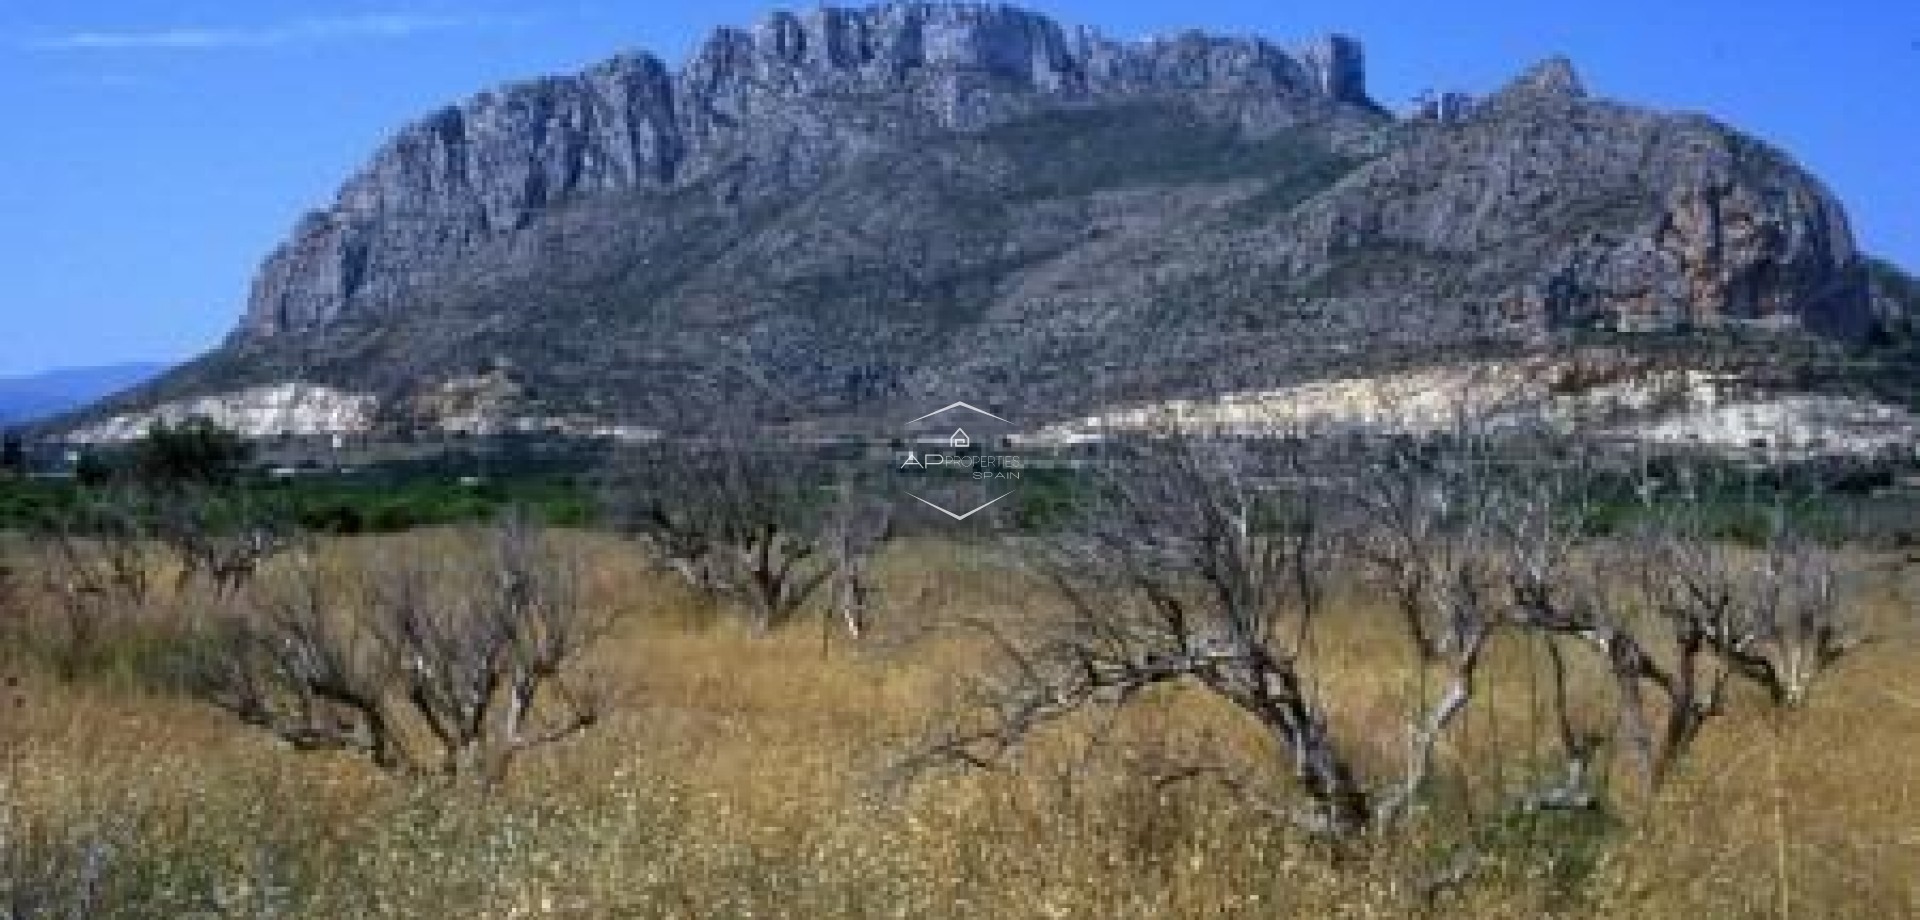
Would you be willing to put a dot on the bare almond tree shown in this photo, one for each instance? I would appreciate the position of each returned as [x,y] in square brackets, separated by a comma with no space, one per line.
[1799,623]
[477,660]
[855,527]
[95,563]
[451,666]
[1431,517]
[1776,614]
[1208,564]
[753,528]
[1676,610]
[220,536]
[1193,571]
[300,660]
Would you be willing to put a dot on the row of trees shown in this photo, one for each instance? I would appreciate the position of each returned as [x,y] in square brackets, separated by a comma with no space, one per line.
[435,661]
[1204,563]
[1209,564]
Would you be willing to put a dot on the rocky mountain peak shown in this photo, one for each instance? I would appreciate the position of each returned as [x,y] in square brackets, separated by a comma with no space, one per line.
[791,94]
[1553,79]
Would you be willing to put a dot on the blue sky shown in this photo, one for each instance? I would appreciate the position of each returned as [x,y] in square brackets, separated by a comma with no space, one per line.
[155,150]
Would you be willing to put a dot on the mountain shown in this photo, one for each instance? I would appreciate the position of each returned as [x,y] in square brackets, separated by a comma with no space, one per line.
[840,214]
[26,398]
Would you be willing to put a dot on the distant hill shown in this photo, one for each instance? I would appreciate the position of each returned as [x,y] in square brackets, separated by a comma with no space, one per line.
[24,399]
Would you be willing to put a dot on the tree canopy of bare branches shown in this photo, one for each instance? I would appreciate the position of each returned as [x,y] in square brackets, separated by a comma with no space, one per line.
[221,535]
[448,665]
[752,527]
[1191,570]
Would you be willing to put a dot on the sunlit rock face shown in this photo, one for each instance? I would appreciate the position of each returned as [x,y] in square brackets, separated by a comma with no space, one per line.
[1679,407]
[290,409]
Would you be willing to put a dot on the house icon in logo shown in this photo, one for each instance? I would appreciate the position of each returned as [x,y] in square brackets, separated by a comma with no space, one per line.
[959,439]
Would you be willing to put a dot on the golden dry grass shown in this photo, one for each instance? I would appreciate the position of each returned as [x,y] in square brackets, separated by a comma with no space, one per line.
[744,777]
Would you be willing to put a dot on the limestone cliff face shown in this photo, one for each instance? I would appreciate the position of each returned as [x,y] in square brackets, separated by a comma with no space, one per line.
[463,175]
[788,99]
[290,409]
[1562,209]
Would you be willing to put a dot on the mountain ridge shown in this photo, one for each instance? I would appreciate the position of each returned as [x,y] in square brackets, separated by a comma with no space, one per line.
[836,214]
[489,165]
[25,398]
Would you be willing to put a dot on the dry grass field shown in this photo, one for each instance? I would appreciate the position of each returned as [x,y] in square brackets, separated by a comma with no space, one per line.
[737,775]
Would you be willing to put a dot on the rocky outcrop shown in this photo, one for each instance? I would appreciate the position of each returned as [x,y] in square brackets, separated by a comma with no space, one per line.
[1550,82]
[1565,210]
[790,96]
[463,175]
[1896,302]
[1645,404]
[288,410]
